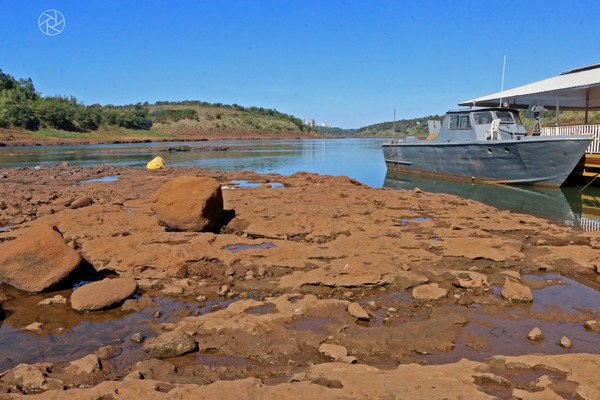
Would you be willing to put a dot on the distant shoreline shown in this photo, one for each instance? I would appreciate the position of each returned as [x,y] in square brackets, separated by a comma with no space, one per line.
[13,138]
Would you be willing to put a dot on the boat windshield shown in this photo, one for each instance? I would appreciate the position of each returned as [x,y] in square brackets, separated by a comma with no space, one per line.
[483,117]
[507,117]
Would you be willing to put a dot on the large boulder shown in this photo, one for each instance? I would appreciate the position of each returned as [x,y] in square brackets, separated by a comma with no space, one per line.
[189,203]
[37,260]
[103,294]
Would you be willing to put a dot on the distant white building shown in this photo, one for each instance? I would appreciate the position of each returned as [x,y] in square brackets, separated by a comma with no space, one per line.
[323,124]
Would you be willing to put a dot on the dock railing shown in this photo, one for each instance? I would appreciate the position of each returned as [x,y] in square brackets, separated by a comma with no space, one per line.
[576,130]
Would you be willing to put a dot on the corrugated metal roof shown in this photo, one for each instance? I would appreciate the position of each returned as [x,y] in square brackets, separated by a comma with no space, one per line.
[573,89]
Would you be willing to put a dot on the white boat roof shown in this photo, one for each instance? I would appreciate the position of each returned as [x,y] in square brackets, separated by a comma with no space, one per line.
[576,89]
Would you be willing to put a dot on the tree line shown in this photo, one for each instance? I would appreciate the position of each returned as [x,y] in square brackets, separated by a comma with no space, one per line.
[21,106]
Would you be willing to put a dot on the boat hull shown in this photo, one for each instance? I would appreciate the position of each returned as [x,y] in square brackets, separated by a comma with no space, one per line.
[532,160]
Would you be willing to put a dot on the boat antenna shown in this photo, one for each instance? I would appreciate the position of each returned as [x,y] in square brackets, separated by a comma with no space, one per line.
[502,85]
[394,124]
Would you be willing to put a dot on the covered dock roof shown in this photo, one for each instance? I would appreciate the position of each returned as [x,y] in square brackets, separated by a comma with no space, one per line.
[576,89]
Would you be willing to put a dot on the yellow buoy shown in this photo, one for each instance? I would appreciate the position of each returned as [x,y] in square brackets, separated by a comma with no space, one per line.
[156,163]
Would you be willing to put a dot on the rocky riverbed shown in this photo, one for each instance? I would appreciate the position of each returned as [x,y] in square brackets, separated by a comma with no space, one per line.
[308,287]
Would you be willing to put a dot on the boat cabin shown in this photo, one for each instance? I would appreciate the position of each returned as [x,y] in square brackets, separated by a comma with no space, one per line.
[481,124]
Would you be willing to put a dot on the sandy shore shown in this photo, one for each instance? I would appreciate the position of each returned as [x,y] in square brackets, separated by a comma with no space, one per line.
[312,287]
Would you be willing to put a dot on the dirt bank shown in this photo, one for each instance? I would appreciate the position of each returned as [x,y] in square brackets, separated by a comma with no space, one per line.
[311,287]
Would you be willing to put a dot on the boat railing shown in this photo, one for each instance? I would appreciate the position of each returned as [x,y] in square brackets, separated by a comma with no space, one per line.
[576,130]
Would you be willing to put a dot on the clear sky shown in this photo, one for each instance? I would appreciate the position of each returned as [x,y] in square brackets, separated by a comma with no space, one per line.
[349,63]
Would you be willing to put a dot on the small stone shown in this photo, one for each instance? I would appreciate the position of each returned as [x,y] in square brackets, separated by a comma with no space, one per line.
[156,314]
[262,271]
[406,267]
[172,290]
[34,327]
[201,299]
[170,344]
[223,290]
[333,350]
[348,359]
[593,325]
[249,275]
[372,304]
[229,271]
[358,312]
[230,295]
[513,274]
[81,202]
[348,295]
[535,334]
[137,337]
[107,352]
[215,307]
[565,342]
[58,299]
[133,376]
[431,291]
[392,310]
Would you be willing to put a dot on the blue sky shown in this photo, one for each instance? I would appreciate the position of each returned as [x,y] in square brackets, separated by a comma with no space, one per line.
[350,63]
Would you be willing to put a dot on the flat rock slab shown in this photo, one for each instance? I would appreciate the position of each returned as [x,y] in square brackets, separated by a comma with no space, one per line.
[170,344]
[189,203]
[37,260]
[103,294]
[358,312]
[517,292]
[430,291]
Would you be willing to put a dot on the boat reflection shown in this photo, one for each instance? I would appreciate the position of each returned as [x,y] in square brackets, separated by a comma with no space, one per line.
[565,206]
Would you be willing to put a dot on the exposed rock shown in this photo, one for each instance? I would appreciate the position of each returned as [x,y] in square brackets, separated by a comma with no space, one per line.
[517,292]
[170,344]
[593,325]
[472,280]
[107,352]
[81,202]
[358,312]
[189,203]
[84,366]
[37,260]
[535,334]
[58,299]
[565,342]
[34,327]
[431,291]
[137,337]
[28,377]
[102,294]
[333,350]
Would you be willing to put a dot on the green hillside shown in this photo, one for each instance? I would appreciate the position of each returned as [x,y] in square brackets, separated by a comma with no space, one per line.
[24,114]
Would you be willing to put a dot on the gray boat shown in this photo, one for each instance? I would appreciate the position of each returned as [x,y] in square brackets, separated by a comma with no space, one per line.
[488,145]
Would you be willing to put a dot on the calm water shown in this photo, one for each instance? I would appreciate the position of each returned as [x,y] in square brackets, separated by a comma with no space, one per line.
[360,159]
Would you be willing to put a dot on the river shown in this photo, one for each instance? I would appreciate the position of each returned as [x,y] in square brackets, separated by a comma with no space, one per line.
[360,159]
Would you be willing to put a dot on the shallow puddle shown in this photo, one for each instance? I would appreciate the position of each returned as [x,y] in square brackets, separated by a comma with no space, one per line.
[558,309]
[268,308]
[312,324]
[418,219]
[5,228]
[234,248]
[81,334]
[239,183]
[110,178]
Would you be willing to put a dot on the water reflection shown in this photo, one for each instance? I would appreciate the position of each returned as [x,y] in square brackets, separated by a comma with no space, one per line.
[566,206]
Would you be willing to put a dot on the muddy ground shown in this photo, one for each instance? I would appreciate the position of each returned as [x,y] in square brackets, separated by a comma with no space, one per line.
[311,287]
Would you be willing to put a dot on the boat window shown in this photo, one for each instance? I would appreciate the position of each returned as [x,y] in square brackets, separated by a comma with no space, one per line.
[459,122]
[453,124]
[506,117]
[517,119]
[465,122]
[483,118]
